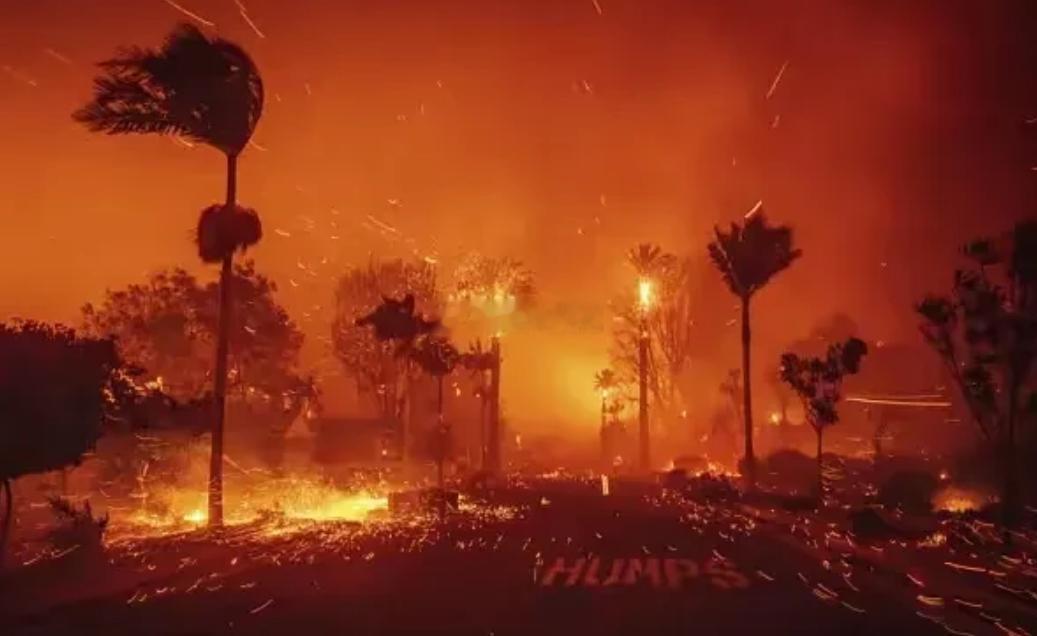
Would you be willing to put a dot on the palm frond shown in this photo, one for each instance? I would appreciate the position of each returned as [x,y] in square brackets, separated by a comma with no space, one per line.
[749,255]
[206,89]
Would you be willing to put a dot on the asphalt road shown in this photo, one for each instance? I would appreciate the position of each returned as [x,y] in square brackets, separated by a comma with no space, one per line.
[569,561]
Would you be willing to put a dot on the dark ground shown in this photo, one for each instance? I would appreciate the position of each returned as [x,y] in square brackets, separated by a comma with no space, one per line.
[757,571]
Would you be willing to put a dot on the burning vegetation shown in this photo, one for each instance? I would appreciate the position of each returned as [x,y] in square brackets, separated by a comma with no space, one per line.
[195,439]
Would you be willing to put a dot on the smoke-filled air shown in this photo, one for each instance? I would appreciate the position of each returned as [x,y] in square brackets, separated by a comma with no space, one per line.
[514,317]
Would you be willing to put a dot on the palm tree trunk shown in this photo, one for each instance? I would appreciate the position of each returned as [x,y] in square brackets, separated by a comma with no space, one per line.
[747,394]
[494,436]
[820,469]
[642,399]
[5,529]
[222,345]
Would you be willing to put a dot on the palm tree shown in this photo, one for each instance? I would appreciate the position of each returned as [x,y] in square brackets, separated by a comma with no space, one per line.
[650,263]
[207,90]
[647,259]
[479,360]
[438,357]
[396,321]
[748,257]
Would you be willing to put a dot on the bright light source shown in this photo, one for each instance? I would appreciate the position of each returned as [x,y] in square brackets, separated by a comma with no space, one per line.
[644,293]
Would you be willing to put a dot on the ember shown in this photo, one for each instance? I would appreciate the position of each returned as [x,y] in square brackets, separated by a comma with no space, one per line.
[960,500]
[172,509]
[767,273]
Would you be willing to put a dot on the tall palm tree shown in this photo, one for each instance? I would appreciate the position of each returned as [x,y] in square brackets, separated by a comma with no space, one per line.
[650,263]
[748,257]
[398,322]
[207,90]
[480,360]
[438,357]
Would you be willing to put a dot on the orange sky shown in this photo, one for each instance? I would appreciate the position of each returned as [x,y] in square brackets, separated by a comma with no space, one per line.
[542,130]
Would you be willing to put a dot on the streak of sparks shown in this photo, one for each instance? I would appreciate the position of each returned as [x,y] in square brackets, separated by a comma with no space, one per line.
[190,14]
[248,20]
[57,56]
[383,225]
[21,77]
[756,208]
[262,607]
[597,7]
[777,79]
[894,402]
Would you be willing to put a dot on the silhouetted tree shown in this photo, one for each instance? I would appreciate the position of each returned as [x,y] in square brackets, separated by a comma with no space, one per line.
[985,332]
[437,357]
[208,90]
[373,363]
[818,383]
[57,390]
[748,257]
[393,327]
[669,323]
[480,360]
[168,325]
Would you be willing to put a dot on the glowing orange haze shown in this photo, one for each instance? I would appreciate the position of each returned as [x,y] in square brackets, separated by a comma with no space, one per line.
[541,130]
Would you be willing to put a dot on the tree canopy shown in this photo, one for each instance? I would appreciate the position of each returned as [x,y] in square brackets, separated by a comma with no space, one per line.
[167,326]
[818,381]
[57,391]
[750,254]
[205,89]
[372,362]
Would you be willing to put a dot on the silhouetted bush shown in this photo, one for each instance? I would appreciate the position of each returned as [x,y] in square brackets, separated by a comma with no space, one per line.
[909,490]
[869,525]
[789,470]
[76,527]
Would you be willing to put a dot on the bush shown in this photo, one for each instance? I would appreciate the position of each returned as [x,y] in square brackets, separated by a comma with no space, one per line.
[76,527]
[910,490]
[789,470]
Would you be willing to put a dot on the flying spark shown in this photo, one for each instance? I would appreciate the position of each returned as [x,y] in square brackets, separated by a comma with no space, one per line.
[248,20]
[193,16]
[57,56]
[756,208]
[597,7]
[21,77]
[777,79]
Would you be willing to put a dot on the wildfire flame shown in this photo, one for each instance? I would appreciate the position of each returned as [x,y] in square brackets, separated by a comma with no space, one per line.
[959,500]
[291,499]
[644,293]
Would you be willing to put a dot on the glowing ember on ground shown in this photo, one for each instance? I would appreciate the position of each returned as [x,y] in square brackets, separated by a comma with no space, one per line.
[172,509]
[959,500]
